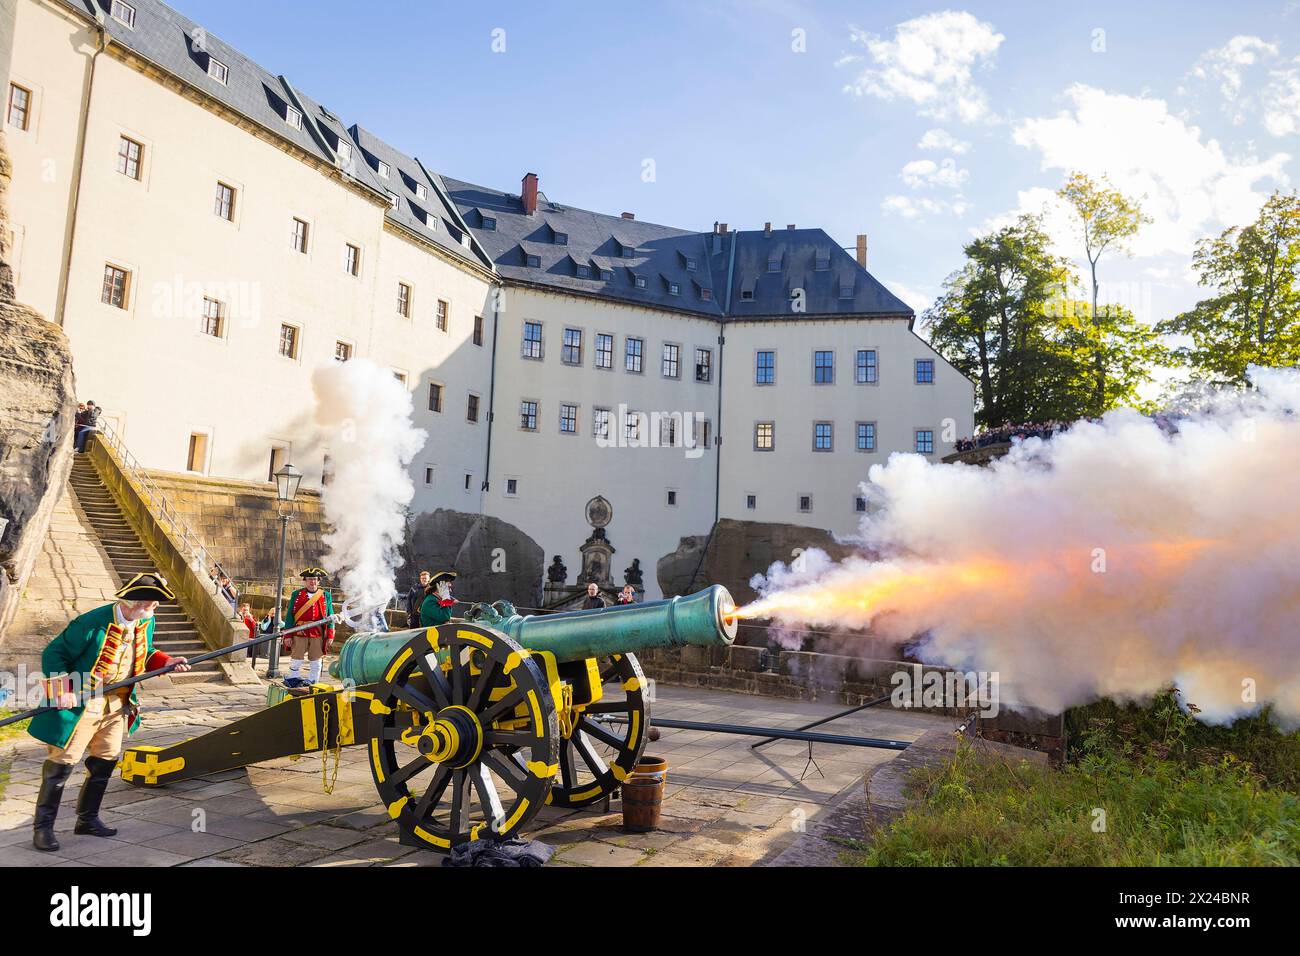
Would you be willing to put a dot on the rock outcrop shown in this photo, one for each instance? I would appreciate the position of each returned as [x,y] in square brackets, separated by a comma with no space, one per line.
[37,413]
[495,559]
[735,552]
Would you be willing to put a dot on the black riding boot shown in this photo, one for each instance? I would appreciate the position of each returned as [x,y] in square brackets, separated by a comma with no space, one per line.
[98,772]
[53,777]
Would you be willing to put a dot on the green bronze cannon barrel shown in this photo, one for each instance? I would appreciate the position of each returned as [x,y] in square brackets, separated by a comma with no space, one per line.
[701,619]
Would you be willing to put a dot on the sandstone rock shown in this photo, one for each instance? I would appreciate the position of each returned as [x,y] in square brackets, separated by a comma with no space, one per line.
[735,552]
[469,543]
[37,413]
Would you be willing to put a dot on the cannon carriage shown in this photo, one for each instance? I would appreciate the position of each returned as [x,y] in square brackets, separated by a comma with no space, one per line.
[473,726]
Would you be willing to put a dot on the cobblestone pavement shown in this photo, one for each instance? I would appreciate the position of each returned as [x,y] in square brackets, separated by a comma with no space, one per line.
[725,803]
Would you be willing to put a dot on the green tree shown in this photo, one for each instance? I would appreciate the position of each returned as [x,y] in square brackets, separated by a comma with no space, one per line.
[1108,219]
[1254,317]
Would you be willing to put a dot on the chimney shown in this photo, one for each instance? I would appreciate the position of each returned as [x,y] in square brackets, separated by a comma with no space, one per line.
[722,228]
[629,215]
[528,193]
[767,229]
[862,250]
[791,227]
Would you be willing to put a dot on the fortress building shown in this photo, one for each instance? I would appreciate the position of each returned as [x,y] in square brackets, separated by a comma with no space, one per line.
[207,234]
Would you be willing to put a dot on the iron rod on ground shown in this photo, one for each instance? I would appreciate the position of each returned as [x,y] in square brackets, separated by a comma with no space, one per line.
[827,720]
[776,733]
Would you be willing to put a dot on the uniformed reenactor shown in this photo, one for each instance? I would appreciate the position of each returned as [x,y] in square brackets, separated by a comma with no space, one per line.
[101,647]
[309,603]
[436,607]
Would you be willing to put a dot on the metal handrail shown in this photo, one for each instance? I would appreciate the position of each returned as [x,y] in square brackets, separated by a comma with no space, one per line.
[191,545]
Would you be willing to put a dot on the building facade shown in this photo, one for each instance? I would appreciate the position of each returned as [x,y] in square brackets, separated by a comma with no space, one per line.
[208,235]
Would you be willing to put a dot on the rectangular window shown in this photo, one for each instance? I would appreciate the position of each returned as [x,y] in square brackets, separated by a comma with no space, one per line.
[860,504]
[672,498]
[478,330]
[703,365]
[512,487]
[604,350]
[668,431]
[823,436]
[20,106]
[383,169]
[640,282]
[805,503]
[469,479]
[345,152]
[117,287]
[764,436]
[583,271]
[765,368]
[129,154]
[924,441]
[352,259]
[571,352]
[404,300]
[435,397]
[440,317]
[751,502]
[600,422]
[428,474]
[824,368]
[278,459]
[866,436]
[674,289]
[298,237]
[293,117]
[217,70]
[632,355]
[672,361]
[632,426]
[421,192]
[400,376]
[561,238]
[393,200]
[124,13]
[925,371]
[532,344]
[569,419]
[213,321]
[225,202]
[342,351]
[865,367]
[471,411]
[528,416]
[706,434]
[289,341]
[532,261]
[197,458]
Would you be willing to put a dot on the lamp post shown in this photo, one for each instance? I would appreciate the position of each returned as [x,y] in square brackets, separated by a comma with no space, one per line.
[286,490]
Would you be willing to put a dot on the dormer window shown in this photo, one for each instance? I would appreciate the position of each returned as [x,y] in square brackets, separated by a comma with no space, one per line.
[532,261]
[489,223]
[747,295]
[639,281]
[420,191]
[628,251]
[218,70]
[393,200]
[584,271]
[383,169]
[123,13]
[823,260]
[561,238]
[690,264]
[607,275]
[674,289]
[431,220]
[774,262]
[706,294]
[846,290]
[345,151]
[293,117]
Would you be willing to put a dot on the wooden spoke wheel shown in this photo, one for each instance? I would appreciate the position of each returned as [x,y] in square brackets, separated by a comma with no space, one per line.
[600,752]
[464,737]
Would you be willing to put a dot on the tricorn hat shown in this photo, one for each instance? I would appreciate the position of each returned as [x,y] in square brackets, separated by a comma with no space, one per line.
[442,576]
[313,573]
[146,586]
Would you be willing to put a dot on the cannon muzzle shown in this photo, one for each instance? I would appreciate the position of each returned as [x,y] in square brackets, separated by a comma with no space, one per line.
[703,619]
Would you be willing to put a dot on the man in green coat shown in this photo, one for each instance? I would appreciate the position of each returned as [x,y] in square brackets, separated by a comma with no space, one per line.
[436,607]
[101,647]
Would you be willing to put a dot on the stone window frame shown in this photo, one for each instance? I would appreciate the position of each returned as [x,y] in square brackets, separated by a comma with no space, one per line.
[771,424]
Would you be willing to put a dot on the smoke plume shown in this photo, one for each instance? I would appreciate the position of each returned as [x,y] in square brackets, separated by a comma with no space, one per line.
[1111,561]
[366,415]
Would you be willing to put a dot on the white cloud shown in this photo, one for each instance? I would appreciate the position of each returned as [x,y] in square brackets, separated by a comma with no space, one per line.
[919,300]
[1226,64]
[1189,186]
[942,141]
[915,207]
[1281,101]
[929,62]
[926,172]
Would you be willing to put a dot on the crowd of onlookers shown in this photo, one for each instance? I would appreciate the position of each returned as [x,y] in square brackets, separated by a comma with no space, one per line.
[1009,432]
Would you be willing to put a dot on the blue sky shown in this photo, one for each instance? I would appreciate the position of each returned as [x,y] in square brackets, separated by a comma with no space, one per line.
[1193,106]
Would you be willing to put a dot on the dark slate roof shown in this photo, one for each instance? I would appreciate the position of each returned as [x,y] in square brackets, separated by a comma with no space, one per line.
[432,218]
[595,238]
[661,254]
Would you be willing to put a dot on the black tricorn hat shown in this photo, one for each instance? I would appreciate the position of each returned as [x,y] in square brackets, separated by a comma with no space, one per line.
[442,576]
[146,586]
[313,573]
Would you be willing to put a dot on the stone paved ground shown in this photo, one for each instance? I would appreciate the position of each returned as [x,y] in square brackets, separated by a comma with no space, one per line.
[725,804]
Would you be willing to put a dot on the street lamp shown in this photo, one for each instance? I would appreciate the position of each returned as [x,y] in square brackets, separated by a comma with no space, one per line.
[287,480]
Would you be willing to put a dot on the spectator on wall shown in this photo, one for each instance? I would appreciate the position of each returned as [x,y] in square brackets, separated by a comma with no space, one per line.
[594,598]
[627,595]
[87,422]
[414,598]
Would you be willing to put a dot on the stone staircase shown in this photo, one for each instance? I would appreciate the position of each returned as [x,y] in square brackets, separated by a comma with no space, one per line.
[174,633]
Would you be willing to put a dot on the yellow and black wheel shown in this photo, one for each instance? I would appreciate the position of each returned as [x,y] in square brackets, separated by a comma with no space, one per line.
[605,738]
[464,737]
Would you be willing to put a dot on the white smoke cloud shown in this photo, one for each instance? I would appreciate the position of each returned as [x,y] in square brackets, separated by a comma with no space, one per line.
[366,415]
[1112,561]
